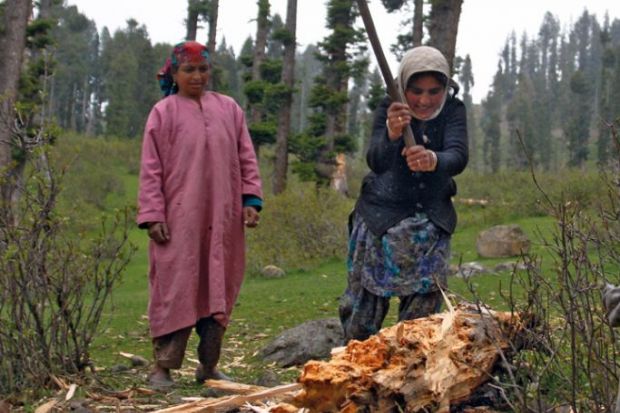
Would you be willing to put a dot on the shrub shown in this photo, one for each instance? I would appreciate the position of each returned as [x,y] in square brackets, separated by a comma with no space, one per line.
[53,286]
[569,354]
[300,227]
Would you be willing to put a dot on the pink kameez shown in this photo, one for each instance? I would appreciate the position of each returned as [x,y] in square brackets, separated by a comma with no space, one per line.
[197,163]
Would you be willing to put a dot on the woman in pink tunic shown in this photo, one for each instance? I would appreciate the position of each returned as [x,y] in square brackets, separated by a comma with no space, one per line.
[199,187]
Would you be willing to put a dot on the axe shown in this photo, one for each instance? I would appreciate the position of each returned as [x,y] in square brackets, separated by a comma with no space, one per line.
[383,65]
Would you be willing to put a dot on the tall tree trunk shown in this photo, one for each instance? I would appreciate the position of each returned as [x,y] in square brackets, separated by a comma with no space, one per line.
[85,105]
[262,29]
[337,80]
[192,19]
[12,45]
[418,22]
[284,117]
[443,27]
[45,9]
[212,18]
[72,110]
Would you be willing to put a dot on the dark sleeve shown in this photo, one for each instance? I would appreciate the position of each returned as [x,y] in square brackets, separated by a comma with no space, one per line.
[253,201]
[453,156]
[382,153]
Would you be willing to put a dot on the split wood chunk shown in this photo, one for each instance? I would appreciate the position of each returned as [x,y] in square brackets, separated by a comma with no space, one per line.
[419,365]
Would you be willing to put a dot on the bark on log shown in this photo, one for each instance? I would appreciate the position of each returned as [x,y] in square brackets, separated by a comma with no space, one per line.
[420,365]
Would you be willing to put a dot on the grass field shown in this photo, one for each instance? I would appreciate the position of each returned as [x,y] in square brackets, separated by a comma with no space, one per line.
[316,274]
[266,307]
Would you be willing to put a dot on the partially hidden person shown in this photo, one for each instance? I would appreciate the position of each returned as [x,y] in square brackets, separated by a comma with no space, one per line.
[199,188]
[400,229]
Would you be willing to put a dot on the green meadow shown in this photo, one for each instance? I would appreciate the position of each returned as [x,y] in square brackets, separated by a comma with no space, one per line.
[302,231]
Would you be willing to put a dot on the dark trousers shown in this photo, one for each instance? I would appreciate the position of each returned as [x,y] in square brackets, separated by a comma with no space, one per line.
[362,314]
[169,349]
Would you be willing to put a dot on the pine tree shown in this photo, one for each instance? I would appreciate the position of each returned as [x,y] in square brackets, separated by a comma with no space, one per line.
[466,79]
[546,88]
[490,123]
[226,76]
[288,38]
[577,130]
[307,69]
[12,44]
[581,89]
[327,135]
[606,98]
[76,71]
[263,131]
[126,57]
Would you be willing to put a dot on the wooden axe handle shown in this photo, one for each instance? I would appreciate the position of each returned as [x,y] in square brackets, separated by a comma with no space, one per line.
[383,65]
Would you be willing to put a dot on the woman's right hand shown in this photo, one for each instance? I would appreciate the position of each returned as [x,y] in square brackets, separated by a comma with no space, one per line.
[398,116]
[158,232]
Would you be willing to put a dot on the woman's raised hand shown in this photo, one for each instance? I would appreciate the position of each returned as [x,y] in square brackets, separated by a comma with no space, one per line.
[398,116]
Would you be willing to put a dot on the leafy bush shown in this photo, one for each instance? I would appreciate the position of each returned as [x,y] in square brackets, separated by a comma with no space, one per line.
[300,227]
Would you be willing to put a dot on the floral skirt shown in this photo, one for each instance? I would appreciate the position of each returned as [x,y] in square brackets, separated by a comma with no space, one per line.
[411,257]
[409,261]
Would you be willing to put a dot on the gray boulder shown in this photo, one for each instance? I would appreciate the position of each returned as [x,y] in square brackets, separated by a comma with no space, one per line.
[502,241]
[311,340]
[470,269]
[510,266]
[268,379]
[272,271]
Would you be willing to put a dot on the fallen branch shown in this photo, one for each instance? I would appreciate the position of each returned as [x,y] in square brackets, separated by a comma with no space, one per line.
[211,405]
[232,387]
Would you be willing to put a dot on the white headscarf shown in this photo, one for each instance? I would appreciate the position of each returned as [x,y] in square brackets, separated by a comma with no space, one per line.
[423,59]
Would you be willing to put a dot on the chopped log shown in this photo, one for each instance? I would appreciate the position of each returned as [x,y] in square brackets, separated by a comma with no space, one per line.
[428,364]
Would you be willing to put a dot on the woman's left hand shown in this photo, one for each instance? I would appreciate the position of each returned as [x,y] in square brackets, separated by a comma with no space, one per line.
[250,217]
[420,159]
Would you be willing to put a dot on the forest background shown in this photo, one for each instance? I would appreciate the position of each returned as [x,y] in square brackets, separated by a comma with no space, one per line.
[85,97]
[71,140]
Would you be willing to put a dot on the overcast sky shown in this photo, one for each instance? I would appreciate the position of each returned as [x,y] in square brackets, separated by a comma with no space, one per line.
[483,28]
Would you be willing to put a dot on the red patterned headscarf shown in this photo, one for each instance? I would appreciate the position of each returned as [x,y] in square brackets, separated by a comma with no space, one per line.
[184,52]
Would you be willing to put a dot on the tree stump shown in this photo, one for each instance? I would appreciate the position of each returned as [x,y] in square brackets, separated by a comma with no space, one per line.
[428,364]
